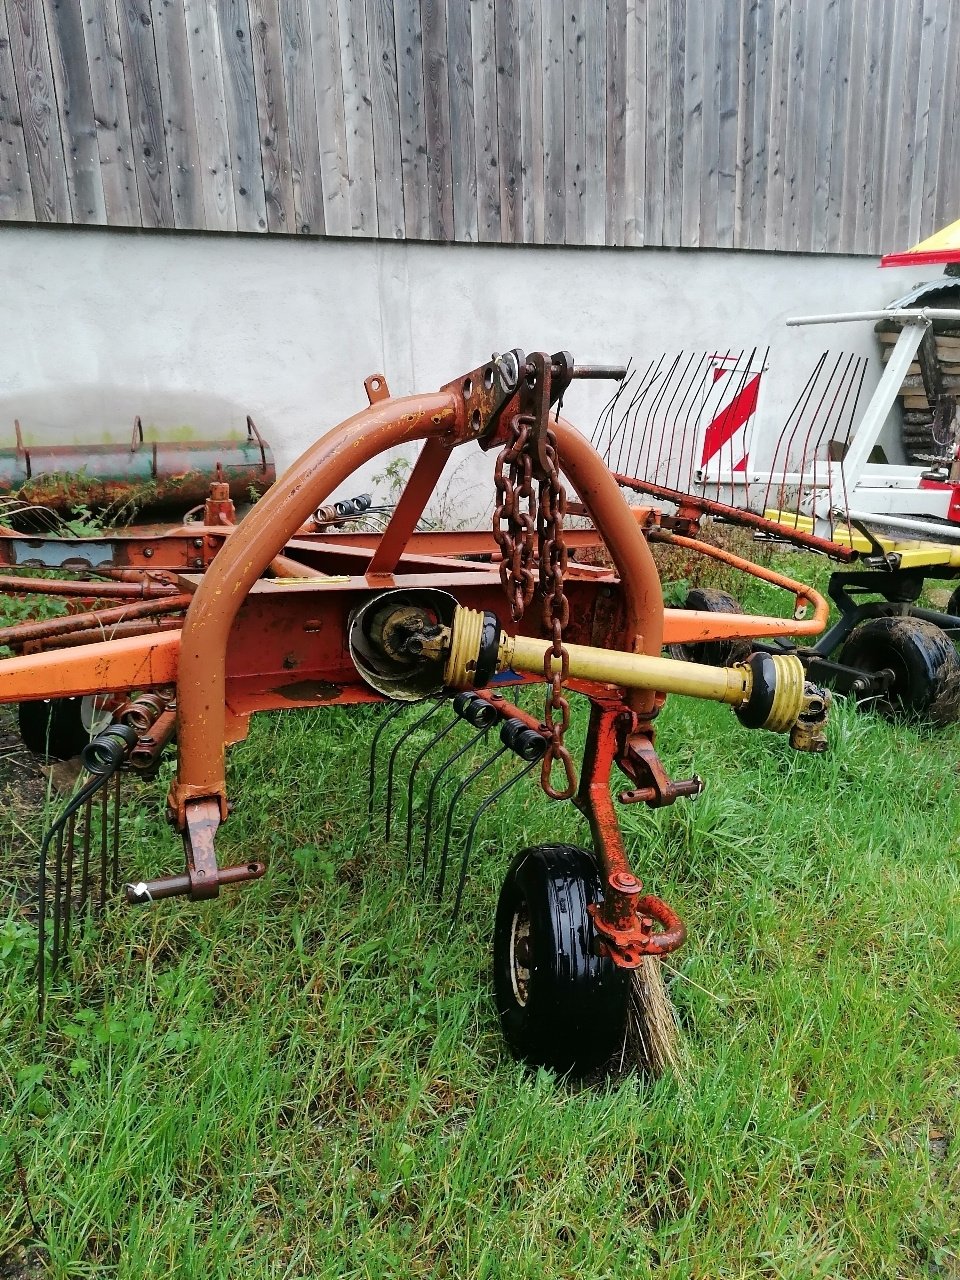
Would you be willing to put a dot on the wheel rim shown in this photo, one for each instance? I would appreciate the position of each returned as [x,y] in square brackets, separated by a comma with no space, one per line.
[520,955]
[895,698]
[95,713]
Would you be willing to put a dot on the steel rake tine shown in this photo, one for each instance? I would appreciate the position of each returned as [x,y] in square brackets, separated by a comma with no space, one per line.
[57,896]
[437,737]
[431,794]
[388,821]
[604,425]
[116,833]
[471,777]
[481,810]
[68,881]
[55,834]
[103,850]
[372,774]
[85,851]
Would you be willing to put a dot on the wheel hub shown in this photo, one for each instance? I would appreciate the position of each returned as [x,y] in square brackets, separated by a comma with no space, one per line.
[520,955]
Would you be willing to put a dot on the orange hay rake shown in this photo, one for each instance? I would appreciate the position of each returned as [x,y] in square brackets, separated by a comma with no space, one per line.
[349,619]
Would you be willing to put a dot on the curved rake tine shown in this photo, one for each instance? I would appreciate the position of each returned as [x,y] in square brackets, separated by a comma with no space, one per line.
[431,794]
[85,854]
[103,851]
[481,810]
[103,760]
[846,439]
[437,737]
[388,822]
[605,419]
[629,437]
[55,832]
[678,394]
[372,774]
[116,832]
[471,777]
[57,897]
[68,884]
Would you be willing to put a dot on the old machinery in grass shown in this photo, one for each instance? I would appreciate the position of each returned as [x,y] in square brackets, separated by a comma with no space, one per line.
[350,622]
[667,442]
[146,475]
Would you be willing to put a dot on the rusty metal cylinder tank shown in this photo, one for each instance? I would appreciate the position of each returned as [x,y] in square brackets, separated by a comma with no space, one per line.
[149,475]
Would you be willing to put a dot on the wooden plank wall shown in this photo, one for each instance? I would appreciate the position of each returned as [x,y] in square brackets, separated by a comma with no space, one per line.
[797,125]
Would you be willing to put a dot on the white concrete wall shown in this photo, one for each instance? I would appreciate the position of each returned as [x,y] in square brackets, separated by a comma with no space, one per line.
[194,332]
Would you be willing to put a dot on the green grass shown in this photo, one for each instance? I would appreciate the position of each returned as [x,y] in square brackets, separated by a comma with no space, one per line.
[306,1077]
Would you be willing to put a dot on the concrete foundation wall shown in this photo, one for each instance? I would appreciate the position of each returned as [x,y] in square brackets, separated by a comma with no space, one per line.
[194,332]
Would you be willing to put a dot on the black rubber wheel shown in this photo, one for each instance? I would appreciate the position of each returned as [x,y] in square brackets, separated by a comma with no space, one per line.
[561,1005]
[925,666]
[59,728]
[953,604]
[714,653]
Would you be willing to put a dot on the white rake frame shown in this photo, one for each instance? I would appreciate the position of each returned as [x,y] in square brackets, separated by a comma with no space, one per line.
[876,492]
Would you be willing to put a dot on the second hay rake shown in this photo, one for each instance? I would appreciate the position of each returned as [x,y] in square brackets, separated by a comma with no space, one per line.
[819,488]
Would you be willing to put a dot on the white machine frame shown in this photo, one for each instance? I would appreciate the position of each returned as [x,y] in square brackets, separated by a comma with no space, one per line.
[878,493]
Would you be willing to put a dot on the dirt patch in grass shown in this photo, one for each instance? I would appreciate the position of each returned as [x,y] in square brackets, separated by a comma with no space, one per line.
[22,1264]
[23,790]
[22,777]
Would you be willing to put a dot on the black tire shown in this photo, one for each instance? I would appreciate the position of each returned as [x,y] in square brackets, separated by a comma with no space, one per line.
[953,604]
[714,653]
[924,663]
[566,1007]
[54,727]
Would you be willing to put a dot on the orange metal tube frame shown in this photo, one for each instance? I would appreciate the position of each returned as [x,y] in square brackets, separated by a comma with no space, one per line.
[261,537]
[759,626]
[253,544]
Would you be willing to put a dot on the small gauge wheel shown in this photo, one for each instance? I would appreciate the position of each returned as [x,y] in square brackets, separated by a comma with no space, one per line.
[922,659]
[713,653]
[561,1005]
[59,728]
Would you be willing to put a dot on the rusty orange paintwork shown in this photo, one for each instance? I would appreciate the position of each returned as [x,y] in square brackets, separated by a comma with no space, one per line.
[277,517]
[114,666]
[57,628]
[248,644]
[803,595]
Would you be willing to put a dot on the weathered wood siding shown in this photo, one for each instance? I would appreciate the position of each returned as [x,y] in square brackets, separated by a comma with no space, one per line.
[811,125]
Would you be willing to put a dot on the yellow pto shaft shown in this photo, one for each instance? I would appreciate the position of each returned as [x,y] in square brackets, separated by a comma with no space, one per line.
[767,691]
[633,670]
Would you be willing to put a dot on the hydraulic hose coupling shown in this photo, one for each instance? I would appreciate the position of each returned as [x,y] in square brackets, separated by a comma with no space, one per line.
[780,699]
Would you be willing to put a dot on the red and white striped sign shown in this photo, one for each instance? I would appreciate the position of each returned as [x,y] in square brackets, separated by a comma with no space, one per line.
[728,411]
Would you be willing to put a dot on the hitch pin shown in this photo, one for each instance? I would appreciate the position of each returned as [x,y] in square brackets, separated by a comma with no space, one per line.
[615,371]
[179,886]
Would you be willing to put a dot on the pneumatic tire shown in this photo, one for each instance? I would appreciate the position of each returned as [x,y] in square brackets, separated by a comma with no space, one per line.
[561,1005]
[714,653]
[59,728]
[924,662]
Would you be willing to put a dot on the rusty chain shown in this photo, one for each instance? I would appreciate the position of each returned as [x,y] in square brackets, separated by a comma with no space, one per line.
[556,614]
[519,510]
[515,516]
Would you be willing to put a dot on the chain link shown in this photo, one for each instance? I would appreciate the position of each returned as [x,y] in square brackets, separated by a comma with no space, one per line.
[556,615]
[515,516]
[519,510]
